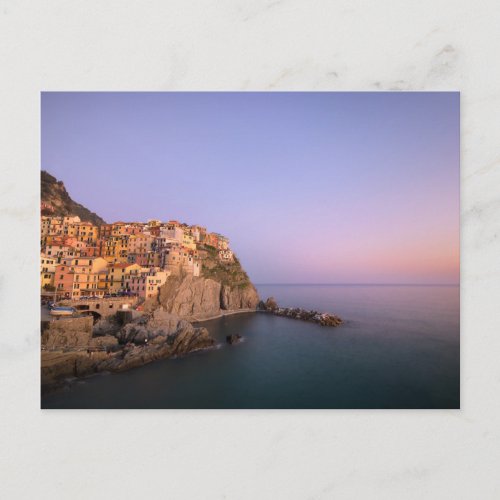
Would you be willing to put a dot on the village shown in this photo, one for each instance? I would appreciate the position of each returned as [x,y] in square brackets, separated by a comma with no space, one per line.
[80,260]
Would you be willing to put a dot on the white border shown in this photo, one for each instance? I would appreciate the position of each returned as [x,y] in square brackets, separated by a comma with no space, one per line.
[243,45]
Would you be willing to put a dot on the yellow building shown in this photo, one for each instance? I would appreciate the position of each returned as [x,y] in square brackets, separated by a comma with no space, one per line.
[102,282]
[47,271]
[115,249]
[188,241]
[71,230]
[59,226]
[86,232]
[118,275]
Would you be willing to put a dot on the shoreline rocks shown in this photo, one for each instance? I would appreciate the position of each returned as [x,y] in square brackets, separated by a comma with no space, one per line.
[159,335]
[233,339]
[323,319]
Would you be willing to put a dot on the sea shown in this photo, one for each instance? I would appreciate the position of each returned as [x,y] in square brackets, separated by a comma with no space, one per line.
[399,348]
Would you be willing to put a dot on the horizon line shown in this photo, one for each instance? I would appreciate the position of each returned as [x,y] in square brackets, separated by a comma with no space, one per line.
[357,284]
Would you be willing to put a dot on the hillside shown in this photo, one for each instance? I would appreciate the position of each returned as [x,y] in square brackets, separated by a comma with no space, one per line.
[222,286]
[226,273]
[54,193]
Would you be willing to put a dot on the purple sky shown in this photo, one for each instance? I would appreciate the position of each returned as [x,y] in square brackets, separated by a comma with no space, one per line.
[309,187]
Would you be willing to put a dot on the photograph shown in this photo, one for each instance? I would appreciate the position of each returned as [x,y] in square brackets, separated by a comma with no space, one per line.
[250,250]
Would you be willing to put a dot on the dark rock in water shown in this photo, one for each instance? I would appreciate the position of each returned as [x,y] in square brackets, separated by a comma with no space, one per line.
[271,304]
[233,339]
[329,320]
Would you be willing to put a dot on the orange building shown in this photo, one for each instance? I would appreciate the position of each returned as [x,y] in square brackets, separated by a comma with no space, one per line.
[77,277]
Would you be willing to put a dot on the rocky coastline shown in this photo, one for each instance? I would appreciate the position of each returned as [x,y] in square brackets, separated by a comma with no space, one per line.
[74,348]
[161,325]
[323,319]
[112,346]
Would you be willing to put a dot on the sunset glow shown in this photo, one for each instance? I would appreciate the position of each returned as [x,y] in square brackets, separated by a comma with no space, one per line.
[309,187]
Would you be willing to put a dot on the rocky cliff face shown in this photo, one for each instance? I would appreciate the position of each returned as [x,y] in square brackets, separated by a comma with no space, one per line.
[54,194]
[223,286]
[238,297]
[189,297]
[197,298]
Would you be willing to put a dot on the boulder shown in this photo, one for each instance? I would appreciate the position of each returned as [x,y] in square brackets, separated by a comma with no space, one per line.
[188,339]
[104,341]
[106,326]
[271,304]
[233,339]
[158,323]
[67,332]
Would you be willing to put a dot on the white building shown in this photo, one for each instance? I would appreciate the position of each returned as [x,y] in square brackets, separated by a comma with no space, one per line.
[172,234]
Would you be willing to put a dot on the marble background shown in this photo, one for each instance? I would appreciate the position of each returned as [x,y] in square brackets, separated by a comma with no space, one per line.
[249,45]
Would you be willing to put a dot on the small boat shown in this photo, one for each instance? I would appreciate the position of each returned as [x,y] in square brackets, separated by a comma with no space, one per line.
[62,311]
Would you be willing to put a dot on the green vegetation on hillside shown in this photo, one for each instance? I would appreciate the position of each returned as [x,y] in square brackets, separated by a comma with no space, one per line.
[54,194]
[227,273]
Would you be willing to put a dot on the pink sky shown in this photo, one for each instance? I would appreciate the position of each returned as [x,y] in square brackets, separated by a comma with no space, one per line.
[309,187]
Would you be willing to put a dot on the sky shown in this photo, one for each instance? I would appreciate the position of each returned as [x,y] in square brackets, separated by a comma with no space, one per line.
[323,187]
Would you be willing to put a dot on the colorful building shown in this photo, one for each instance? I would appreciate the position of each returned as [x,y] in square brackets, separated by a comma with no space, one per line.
[47,271]
[90,260]
[147,284]
[77,277]
[118,274]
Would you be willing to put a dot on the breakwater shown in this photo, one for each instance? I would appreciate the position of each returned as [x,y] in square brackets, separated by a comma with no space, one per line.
[321,318]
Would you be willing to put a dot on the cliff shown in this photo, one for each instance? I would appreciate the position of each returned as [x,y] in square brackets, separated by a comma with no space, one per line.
[54,193]
[222,286]
[197,298]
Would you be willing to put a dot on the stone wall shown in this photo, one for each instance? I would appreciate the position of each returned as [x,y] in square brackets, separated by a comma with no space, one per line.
[103,307]
[67,332]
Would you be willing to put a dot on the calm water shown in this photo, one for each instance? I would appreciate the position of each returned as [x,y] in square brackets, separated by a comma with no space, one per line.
[400,348]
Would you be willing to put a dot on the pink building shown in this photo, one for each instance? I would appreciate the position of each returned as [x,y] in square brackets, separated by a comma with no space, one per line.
[147,284]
